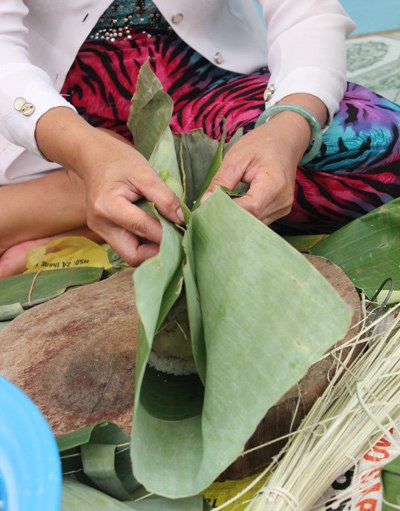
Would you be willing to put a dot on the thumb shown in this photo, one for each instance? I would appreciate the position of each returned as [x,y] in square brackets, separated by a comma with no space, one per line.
[228,175]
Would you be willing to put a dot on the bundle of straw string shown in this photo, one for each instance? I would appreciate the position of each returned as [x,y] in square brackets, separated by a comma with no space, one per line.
[360,404]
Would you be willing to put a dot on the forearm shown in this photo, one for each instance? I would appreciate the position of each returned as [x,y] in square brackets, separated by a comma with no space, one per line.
[61,135]
[42,207]
[115,176]
[64,137]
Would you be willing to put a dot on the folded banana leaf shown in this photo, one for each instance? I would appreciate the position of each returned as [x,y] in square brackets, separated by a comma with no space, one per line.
[10,311]
[368,248]
[391,485]
[149,123]
[98,457]
[23,291]
[77,496]
[196,153]
[247,351]
[80,497]
[238,279]
[100,453]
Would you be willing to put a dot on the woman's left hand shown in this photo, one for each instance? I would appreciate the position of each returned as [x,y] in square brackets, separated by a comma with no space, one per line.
[265,165]
[263,162]
[267,159]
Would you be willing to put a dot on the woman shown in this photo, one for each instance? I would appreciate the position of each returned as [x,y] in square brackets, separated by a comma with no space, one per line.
[62,174]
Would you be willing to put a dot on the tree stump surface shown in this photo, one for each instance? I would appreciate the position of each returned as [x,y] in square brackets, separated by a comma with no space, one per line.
[74,356]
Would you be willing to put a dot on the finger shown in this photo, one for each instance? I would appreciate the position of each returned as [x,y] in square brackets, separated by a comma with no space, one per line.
[270,214]
[153,188]
[146,251]
[228,176]
[259,197]
[128,246]
[126,215]
[267,199]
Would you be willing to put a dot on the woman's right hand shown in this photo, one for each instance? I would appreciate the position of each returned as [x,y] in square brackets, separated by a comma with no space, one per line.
[116,175]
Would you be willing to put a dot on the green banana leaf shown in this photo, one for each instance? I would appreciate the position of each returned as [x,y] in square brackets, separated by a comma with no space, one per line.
[100,454]
[10,311]
[15,291]
[215,165]
[148,121]
[101,433]
[251,356]
[196,153]
[79,497]
[391,485]
[161,279]
[199,157]
[193,302]
[151,111]
[109,468]
[305,242]
[164,160]
[99,458]
[368,248]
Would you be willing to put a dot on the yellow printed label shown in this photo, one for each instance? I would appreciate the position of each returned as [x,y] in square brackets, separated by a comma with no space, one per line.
[68,252]
[220,493]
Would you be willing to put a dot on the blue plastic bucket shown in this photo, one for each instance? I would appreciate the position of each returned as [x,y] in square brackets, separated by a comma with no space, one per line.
[30,468]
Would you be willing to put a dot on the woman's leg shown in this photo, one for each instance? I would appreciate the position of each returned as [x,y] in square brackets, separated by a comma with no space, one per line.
[358,168]
[43,207]
[13,260]
[33,212]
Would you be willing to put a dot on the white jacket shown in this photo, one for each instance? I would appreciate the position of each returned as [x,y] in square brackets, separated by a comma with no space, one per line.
[304,48]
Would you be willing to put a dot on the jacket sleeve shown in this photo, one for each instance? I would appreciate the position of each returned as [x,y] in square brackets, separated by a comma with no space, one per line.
[26,91]
[306,49]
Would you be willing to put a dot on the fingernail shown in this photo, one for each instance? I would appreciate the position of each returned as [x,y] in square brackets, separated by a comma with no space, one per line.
[180,215]
[205,197]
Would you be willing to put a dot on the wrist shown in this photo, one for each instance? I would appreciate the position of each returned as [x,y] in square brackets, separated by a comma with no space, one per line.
[294,119]
[289,133]
[62,135]
[311,103]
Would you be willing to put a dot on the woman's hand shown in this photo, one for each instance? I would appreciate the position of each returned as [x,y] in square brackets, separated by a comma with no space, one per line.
[266,159]
[115,176]
[262,162]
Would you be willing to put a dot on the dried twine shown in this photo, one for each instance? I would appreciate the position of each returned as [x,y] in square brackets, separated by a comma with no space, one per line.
[32,286]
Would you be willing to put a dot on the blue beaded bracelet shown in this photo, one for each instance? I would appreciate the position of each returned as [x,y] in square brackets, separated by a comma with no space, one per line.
[316,143]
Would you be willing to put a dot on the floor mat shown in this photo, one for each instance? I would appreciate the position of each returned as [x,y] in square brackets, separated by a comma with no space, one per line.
[373,60]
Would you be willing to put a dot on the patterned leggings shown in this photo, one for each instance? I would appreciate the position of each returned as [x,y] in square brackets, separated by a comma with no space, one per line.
[357,169]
